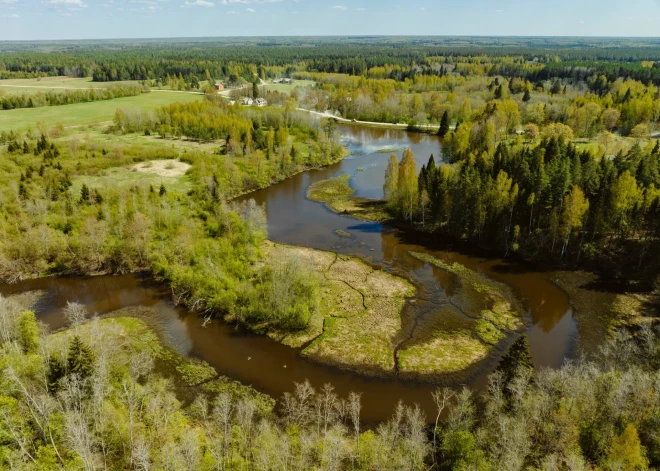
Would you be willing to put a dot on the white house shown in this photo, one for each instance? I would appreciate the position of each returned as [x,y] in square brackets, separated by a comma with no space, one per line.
[260,102]
[247,101]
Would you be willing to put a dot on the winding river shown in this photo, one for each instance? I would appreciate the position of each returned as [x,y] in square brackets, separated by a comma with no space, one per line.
[293,219]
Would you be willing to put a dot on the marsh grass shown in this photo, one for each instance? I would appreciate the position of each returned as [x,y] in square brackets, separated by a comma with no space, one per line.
[337,194]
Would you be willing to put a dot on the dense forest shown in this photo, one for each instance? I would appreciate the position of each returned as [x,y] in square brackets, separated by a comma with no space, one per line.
[549,202]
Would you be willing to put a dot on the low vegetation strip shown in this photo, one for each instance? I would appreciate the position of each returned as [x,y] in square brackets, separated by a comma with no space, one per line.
[337,194]
[480,297]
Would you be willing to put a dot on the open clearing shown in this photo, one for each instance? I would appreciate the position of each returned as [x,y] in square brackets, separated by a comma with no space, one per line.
[170,173]
[82,114]
[163,168]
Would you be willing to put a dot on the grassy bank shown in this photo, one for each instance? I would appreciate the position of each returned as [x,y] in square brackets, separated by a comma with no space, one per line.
[599,310]
[337,194]
[126,334]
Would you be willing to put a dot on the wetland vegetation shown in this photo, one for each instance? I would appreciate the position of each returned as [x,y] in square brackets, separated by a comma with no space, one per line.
[544,154]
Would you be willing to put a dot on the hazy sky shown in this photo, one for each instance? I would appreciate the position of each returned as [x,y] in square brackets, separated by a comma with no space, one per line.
[76,19]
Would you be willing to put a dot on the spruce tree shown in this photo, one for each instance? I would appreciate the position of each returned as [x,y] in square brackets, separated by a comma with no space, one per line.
[22,192]
[516,359]
[56,371]
[527,96]
[556,87]
[84,194]
[444,125]
[162,190]
[80,360]
[255,90]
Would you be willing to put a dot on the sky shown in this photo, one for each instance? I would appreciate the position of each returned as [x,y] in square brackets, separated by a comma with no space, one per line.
[91,19]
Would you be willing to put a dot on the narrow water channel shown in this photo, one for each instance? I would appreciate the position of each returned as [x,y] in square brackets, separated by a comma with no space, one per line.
[293,219]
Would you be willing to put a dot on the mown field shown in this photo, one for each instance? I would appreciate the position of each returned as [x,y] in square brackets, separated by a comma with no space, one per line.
[82,114]
[289,87]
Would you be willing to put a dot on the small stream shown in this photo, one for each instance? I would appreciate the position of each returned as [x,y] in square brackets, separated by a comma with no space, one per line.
[293,219]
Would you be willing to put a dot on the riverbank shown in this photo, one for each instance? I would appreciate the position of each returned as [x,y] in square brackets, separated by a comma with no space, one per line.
[601,311]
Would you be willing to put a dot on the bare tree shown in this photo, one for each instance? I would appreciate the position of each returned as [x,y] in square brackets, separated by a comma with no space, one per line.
[75,313]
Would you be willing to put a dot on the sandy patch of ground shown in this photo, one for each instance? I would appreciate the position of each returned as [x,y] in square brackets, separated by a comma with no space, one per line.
[163,168]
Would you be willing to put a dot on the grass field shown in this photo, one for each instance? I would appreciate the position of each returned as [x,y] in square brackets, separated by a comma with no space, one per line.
[98,134]
[44,84]
[87,113]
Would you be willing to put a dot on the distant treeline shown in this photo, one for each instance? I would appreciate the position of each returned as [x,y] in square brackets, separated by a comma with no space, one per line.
[69,97]
[150,60]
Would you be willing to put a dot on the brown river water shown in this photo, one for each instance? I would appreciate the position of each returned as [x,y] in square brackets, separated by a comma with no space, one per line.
[293,219]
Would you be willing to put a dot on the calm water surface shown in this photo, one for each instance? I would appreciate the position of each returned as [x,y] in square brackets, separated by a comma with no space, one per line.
[293,219]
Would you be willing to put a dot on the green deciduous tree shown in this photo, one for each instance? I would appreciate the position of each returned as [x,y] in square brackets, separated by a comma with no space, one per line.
[391,179]
[626,452]
[28,332]
[407,188]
